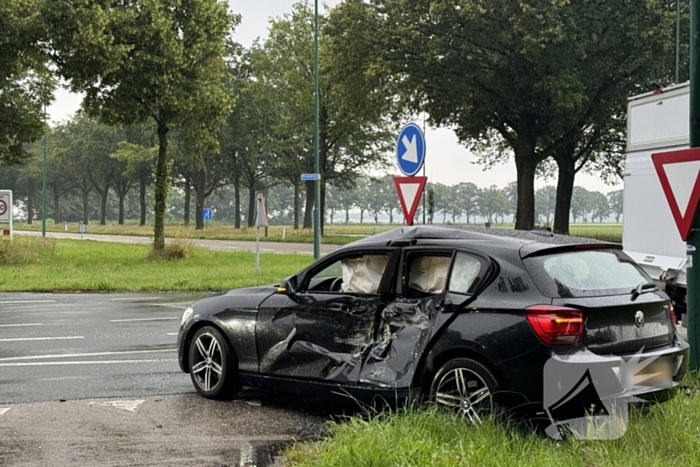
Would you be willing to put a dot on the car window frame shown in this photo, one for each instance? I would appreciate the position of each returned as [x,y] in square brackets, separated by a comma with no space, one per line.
[488,266]
[384,285]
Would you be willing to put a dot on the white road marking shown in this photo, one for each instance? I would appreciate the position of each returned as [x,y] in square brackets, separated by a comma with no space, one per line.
[171,333]
[93,354]
[17,325]
[4,410]
[142,319]
[95,362]
[17,339]
[17,302]
[131,406]
[135,299]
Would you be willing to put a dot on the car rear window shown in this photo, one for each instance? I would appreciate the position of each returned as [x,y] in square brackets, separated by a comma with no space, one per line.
[586,273]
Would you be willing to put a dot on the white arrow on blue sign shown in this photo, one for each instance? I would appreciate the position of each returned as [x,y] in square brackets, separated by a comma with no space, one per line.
[207,214]
[310,177]
[410,149]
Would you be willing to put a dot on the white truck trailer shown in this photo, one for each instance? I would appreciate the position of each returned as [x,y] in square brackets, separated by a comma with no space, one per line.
[656,122]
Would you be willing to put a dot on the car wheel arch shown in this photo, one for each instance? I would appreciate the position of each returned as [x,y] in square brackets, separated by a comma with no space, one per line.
[436,360]
[193,330]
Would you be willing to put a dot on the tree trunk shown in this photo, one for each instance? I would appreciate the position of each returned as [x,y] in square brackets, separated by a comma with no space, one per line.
[362,216]
[85,207]
[525,213]
[565,189]
[199,193]
[56,206]
[347,214]
[391,216]
[142,199]
[30,210]
[103,206]
[161,188]
[121,208]
[322,207]
[251,205]
[188,199]
[296,206]
[308,221]
[237,201]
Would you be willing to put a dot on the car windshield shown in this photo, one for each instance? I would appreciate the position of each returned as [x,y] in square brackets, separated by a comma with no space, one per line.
[586,273]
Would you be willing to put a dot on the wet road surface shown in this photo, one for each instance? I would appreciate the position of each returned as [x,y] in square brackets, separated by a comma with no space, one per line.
[93,379]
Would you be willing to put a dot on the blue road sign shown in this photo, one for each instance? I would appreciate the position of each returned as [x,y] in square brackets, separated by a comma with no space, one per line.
[410,149]
[207,214]
[310,177]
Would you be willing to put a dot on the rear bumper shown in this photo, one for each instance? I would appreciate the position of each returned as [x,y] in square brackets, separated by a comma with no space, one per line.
[542,377]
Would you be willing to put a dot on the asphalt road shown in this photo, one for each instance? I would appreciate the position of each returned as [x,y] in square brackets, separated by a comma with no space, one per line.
[93,379]
[218,245]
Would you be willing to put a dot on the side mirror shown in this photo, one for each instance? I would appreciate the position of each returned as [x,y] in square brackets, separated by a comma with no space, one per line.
[288,286]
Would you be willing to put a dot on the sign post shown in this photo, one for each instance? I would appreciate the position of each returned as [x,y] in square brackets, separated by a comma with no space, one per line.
[6,215]
[260,221]
[693,273]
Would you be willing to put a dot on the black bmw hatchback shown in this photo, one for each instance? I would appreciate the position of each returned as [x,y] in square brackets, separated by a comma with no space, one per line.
[468,318]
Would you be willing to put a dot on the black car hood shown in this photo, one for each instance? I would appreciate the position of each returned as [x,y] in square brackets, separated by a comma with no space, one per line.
[247,299]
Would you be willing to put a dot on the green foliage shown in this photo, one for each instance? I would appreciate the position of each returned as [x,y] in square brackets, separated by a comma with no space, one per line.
[25,250]
[139,60]
[25,83]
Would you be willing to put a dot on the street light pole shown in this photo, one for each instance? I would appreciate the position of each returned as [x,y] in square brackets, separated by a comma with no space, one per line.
[317,182]
[43,183]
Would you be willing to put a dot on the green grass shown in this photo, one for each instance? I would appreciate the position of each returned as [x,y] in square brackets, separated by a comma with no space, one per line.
[663,435]
[99,266]
[336,234]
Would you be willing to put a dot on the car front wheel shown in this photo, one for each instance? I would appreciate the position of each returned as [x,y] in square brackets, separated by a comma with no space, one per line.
[213,365]
[466,387]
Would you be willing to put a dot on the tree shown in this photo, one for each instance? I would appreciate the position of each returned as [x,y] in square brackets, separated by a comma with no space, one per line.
[615,200]
[517,79]
[600,206]
[25,83]
[353,133]
[545,202]
[581,203]
[158,60]
[139,167]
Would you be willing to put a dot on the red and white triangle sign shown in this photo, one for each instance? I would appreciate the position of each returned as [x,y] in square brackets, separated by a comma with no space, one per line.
[410,190]
[678,173]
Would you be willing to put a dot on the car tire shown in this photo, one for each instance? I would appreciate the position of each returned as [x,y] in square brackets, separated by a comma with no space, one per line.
[213,364]
[466,387]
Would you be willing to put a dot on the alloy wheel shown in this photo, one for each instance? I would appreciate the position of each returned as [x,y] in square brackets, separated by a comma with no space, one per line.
[207,365]
[466,393]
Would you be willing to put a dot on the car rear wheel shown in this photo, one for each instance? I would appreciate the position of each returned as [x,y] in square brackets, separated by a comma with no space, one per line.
[466,387]
[213,364]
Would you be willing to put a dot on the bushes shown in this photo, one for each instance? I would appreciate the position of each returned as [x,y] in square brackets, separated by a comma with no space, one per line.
[25,250]
[180,247]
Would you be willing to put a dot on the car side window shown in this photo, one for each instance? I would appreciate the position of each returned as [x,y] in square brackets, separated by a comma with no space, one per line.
[427,275]
[465,272]
[361,274]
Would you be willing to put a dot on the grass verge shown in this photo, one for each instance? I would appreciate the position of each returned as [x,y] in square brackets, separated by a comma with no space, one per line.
[662,435]
[89,266]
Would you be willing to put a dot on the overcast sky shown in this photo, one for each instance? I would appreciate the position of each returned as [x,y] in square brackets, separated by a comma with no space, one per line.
[446,162]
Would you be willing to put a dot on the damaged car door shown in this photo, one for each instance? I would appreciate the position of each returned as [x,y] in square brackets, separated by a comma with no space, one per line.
[324,330]
[434,283]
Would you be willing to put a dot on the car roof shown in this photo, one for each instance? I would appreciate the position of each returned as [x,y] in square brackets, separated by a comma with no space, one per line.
[486,239]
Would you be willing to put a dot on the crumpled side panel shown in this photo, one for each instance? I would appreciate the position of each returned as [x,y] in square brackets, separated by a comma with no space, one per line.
[404,331]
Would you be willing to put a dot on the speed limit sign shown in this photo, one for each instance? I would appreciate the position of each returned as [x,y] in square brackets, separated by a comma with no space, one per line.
[6,212]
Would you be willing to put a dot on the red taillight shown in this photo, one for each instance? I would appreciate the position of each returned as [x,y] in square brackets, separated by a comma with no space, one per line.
[556,325]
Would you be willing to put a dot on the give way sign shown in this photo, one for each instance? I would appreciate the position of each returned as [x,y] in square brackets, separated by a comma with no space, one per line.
[678,173]
[410,190]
